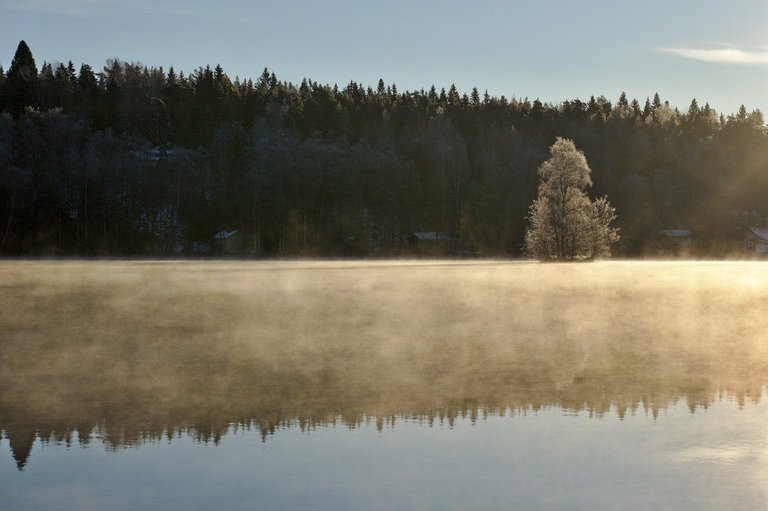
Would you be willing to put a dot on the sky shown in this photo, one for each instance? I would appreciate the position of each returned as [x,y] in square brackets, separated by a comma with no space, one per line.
[713,50]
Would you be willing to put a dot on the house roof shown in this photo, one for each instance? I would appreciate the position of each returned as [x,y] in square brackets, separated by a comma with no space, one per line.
[759,233]
[431,236]
[676,233]
[152,153]
[223,235]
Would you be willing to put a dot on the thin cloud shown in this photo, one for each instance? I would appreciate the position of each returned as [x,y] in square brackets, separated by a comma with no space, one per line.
[113,8]
[183,10]
[69,8]
[721,55]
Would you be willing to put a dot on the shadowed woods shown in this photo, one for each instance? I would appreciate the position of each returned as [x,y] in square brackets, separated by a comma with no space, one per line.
[128,352]
[128,160]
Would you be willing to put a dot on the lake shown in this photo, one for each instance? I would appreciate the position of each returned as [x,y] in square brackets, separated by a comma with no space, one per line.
[383,385]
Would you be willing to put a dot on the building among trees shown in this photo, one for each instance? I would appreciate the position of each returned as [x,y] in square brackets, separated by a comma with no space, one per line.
[229,242]
[756,241]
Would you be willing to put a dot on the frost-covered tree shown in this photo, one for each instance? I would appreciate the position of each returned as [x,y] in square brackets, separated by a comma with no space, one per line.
[564,223]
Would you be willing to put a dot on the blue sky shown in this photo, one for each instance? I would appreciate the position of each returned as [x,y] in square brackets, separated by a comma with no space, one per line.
[716,51]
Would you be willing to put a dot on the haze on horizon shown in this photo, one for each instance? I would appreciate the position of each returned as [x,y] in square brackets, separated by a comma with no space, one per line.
[712,51]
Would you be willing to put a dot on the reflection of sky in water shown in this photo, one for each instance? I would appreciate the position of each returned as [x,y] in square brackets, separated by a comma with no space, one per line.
[712,459]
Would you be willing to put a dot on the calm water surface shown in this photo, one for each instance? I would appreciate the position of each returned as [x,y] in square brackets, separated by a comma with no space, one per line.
[413,385]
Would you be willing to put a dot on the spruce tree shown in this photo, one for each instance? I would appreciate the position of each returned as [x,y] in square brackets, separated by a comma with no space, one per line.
[475,97]
[86,80]
[453,96]
[19,90]
[656,101]
[71,73]
[170,79]
[433,95]
[381,89]
[693,110]
[623,99]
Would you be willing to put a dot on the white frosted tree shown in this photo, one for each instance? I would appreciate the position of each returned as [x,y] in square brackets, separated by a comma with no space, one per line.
[565,225]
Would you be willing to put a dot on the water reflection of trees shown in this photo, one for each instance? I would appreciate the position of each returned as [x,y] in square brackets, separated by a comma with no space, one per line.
[127,354]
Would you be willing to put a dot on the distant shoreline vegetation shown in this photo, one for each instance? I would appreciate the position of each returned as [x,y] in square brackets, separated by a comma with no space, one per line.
[137,161]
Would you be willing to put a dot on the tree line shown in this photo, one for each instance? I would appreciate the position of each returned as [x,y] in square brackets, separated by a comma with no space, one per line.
[137,160]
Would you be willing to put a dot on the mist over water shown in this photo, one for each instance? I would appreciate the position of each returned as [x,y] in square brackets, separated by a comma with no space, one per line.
[129,353]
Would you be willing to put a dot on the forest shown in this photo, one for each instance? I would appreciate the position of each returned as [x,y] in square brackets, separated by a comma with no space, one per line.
[131,161]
